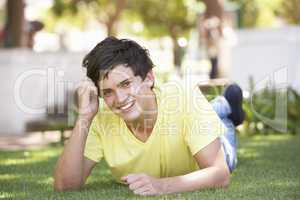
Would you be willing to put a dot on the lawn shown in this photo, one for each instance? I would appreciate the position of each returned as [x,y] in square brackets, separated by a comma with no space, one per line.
[269,168]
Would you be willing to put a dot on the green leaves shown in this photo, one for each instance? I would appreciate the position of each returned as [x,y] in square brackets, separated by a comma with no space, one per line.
[262,104]
[163,18]
[60,7]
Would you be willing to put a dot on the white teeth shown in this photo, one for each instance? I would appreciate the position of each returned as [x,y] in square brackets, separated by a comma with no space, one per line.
[126,106]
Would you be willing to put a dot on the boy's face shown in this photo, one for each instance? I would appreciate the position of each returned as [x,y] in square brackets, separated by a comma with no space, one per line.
[125,94]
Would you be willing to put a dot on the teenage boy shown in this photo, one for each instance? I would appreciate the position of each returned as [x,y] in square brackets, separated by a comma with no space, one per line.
[157,140]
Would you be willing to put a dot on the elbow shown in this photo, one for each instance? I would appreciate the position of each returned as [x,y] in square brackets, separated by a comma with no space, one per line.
[225,178]
[63,186]
[226,182]
[59,187]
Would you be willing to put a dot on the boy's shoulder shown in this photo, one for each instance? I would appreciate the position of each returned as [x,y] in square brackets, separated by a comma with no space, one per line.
[177,95]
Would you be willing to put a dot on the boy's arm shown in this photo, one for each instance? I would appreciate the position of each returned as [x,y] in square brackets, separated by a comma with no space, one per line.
[73,168]
[213,173]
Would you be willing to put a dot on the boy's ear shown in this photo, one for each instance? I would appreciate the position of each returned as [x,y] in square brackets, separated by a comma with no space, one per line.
[149,79]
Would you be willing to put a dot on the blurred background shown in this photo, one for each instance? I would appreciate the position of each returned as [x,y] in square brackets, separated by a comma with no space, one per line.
[255,43]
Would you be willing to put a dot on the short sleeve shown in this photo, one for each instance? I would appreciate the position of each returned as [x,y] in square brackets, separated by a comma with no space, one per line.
[201,123]
[93,146]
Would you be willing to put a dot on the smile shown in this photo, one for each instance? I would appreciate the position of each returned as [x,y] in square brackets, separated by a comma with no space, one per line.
[127,106]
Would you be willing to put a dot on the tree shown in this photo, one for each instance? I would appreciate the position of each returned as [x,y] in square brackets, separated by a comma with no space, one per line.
[172,18]
[258,13]
[290,11]
[14,25]
[107,12]
[214,8]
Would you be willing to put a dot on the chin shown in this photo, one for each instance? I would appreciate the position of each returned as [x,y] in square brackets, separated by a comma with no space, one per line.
[131,117]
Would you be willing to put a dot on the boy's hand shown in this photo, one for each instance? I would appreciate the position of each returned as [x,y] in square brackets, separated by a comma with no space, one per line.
[88,102]
[144,185]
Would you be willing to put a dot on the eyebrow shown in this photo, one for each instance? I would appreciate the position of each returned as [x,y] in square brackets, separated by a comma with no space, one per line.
[119,84]
[124,81]
[105,90]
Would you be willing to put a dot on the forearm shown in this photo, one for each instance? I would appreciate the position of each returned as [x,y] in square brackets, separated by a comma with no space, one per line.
[210,177]
[69,169]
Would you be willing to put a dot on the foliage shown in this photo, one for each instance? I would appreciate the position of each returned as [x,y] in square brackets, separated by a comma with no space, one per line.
[262,13]
[164,18]
[263,103]
[107,12]
[290,11]
[174,18]
[54,22]
[257,13]
[61,6]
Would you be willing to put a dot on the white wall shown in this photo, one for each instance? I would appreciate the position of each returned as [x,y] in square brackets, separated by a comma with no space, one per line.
[33,91]
[262,52]
[259,53]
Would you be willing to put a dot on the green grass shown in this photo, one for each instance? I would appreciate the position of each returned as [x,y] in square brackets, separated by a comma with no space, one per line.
[269,168]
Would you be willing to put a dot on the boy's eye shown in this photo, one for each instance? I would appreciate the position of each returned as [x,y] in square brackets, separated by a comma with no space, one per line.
[126,84]
[107,93]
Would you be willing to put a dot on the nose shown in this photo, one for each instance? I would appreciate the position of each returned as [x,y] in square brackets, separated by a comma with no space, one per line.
[121,96]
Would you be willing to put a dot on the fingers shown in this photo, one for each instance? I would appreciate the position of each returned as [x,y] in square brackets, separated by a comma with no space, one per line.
[137,184]
[87,85]
[145,190]
[140,184]
[87,98]
[132,178]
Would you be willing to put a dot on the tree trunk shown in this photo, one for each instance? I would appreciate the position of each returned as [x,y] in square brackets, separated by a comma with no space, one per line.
[14,28]
[214,8]
[212,35]
[110,27]
[114,17]
[176,52]
[174,32]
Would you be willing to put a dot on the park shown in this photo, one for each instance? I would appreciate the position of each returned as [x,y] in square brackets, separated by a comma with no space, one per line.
[207,43]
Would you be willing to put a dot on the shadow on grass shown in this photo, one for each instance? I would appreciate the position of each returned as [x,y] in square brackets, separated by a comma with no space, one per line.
[268,168]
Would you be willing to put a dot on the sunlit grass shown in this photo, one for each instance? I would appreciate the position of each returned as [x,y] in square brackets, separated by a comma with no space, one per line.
[268,168]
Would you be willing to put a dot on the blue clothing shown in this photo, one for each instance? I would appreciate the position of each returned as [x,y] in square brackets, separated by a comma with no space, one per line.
[228,140]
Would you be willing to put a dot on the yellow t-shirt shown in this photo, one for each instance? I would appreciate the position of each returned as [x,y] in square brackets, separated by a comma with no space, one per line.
[185,124]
